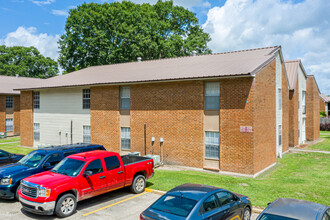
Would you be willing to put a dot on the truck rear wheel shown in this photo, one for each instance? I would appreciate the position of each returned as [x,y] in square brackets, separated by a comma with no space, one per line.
[65,206]
[139,184]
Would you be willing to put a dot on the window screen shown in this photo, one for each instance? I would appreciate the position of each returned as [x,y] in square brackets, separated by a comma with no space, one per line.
[36,131]
[95,166]
[9,101]
[9,124]
[212,95]
[125,138]
[280,134]
[212,144]
[279,99]
[86,99]
[112,162]
[36,100]
[125,97]
[87,134]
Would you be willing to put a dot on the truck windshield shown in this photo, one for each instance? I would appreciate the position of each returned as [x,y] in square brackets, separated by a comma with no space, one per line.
[33,159]
[69,167]
[175,205]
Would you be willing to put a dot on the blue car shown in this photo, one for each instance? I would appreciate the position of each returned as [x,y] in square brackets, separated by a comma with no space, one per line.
[195,201]
[7,158]
[293,209]
[36,162]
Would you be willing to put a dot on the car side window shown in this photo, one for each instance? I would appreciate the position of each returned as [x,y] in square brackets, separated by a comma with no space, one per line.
[326,215]
[95,166]
[112,162]
[210,203]
[226,198]
[68,153]
[3,154]
[54,159]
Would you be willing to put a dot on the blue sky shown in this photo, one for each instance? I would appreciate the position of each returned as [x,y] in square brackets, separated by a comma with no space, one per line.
[302,27]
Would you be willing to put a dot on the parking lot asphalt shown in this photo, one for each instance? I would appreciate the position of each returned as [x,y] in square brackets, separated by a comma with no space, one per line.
[120,204]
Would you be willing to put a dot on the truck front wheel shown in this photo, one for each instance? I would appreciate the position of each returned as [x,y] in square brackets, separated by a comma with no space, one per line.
[139,184]
[65,206]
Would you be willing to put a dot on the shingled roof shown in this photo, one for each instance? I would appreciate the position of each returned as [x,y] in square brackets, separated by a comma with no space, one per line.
[324,97]
[292,71]
[9,83]
[228,64]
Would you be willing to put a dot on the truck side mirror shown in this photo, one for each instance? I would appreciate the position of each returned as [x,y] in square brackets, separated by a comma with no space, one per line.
[46,166]
[87,173]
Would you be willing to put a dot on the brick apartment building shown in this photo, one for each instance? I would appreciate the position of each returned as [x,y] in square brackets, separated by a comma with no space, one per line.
[227,112]
[297,98]
[324,104]
[10,102]
[312,109]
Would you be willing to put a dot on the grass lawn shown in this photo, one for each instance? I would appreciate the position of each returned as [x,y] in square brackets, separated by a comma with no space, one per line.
[301,176]
[15,148]
[10,139]
[324,145]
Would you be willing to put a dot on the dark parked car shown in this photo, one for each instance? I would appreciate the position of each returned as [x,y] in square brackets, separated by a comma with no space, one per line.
[7,158]
[293,209]
[36,162]
[195,201]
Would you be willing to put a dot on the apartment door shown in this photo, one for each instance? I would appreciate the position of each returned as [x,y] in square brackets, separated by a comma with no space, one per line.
[303,130]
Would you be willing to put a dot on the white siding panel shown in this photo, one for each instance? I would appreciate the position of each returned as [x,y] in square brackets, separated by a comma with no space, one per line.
[302,87]
[278,110]
[58,107]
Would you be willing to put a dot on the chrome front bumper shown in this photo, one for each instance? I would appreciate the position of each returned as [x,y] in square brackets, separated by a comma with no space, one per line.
[46,208]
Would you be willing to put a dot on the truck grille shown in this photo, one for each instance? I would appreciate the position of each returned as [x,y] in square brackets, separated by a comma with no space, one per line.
[29,191]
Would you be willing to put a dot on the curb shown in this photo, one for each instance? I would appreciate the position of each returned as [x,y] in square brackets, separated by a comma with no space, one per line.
[254,209]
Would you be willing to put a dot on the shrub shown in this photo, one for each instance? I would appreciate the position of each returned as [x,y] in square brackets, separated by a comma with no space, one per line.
[325,126]
[322,114]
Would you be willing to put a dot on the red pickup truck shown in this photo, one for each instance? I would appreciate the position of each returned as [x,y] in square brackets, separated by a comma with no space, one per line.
[81,176]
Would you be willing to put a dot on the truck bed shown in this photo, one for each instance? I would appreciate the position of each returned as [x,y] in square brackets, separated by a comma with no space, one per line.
[130,159]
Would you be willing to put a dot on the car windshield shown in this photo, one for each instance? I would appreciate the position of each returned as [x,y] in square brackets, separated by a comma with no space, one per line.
[175,205]
[275,217]
[32,159]
[69,167]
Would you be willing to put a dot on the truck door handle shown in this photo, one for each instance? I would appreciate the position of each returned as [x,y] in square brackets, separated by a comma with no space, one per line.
[120,172]
[101,177]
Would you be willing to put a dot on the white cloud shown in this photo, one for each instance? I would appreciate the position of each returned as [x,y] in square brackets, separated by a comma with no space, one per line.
[42,3]
[60,12]
[302,29]
[46,44]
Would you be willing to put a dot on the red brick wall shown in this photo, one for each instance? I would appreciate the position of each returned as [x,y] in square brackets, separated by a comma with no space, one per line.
[105,128]
[17,115]
[26,118]
[236,109]
[173,111]
[312,110]
[293,119]
[2,113]
[265,118]
[285,111]
[322,105]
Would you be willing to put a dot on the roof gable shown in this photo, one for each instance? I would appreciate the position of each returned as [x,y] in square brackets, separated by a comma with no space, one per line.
[9,83]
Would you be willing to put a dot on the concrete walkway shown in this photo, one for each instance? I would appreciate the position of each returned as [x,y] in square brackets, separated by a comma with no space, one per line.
[308,151]
[14,142]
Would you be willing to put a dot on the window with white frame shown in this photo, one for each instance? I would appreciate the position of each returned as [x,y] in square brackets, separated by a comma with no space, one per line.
[86,98]
[36,100]
[303,102]
[9,101]
[36,131]
[279,99]
[9,124]
[87,134]
[280,135]
[212,145]
[125,138]
[212,95]
[125,97]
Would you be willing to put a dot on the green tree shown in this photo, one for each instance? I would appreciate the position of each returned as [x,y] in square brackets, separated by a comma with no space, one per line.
[98,34]
[26,61]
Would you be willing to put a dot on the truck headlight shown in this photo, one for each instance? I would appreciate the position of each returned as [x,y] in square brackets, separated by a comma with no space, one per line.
[6,181]
[43,192]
